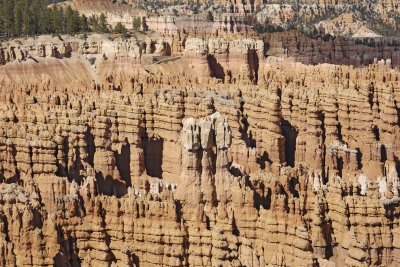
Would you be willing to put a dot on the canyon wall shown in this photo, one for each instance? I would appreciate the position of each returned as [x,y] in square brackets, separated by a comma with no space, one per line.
[222,25]
[356,51]
[217,157]
[116,11]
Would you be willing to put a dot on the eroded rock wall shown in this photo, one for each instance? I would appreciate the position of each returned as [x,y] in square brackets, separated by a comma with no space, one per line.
[201,161]
[357,52]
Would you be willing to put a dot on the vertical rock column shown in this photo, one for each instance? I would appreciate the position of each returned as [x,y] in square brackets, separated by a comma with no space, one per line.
[189,189]
[207,178]
[104,159]
[223,137]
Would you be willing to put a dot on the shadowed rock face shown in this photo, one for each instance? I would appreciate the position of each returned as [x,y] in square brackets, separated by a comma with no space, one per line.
[217,156]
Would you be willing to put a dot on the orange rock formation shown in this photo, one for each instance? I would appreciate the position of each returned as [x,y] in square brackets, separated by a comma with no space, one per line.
[211,155]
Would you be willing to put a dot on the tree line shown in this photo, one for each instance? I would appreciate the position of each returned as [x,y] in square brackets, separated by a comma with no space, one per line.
[33,17]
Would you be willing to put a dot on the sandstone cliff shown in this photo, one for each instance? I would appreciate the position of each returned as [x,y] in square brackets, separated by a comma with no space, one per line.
[211,156]
[356,51]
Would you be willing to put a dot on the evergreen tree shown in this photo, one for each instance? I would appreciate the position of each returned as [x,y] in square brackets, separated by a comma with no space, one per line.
[72,21]
[119,28]
[31,17]
[94,23]
[27,18]
[57,20]
[17,14]
[45,23]
[103,25]
[84,24]
[6,16]
[137,22]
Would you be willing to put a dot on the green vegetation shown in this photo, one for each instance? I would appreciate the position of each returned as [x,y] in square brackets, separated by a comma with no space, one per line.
[119,28]
[136,23]
[376,23]
[268,28]
[33,17]
[307,24]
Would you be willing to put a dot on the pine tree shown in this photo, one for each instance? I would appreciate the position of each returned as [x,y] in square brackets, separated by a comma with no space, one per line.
[94,23]
[57,20]
[70,23]
[36,10]
[6,16]
[45,22]
[119,28]
[84,24]
[103,25]
[137,22]
[29,17]
[17,14]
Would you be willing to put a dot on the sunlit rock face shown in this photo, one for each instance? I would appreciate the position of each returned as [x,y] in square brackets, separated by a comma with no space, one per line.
[203,152]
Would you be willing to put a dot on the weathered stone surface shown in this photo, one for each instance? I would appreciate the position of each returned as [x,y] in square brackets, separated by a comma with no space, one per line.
[211,156]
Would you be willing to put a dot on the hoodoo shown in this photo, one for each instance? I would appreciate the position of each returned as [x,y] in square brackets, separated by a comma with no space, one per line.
[198,133]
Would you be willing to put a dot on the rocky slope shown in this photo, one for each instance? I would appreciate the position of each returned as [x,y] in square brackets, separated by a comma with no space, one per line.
[116,11]
[160,151]
[359,18]
[357,51]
